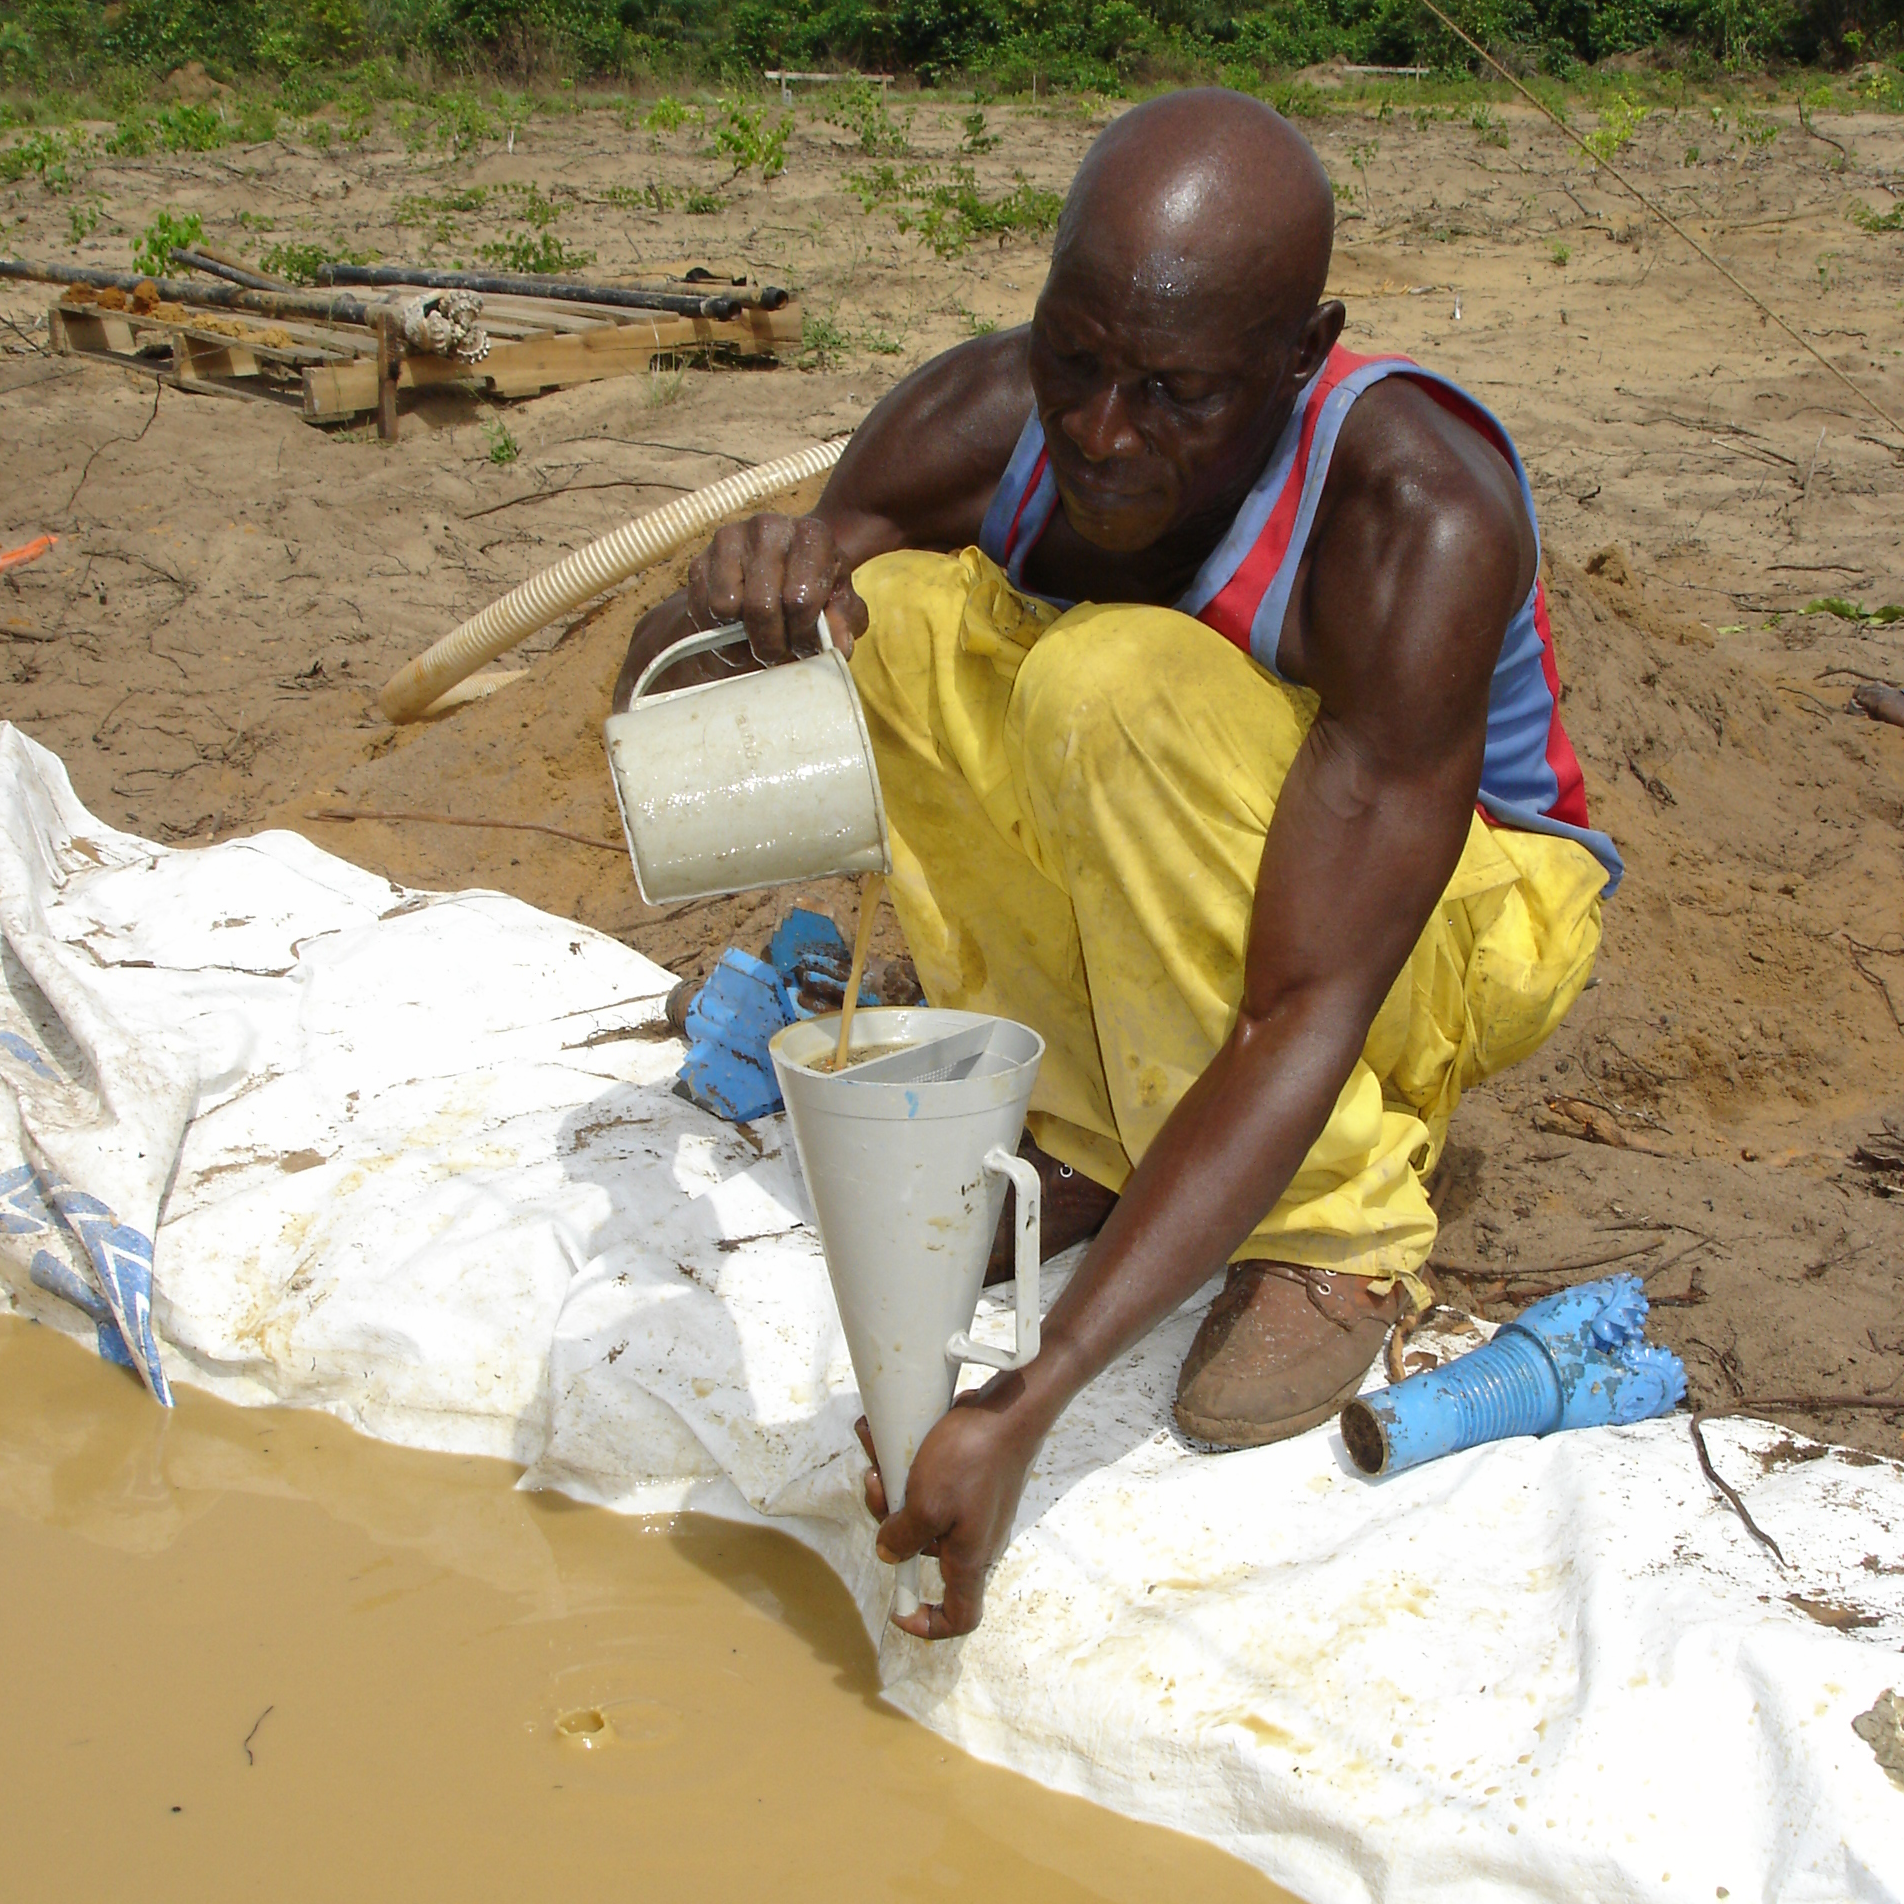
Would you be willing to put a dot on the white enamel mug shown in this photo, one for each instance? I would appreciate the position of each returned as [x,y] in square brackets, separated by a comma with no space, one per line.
[760,780]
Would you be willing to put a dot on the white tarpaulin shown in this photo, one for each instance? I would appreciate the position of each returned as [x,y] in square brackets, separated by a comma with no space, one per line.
[415,1159]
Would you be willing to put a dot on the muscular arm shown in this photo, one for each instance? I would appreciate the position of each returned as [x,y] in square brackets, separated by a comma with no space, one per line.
[918,474]
[1416,570]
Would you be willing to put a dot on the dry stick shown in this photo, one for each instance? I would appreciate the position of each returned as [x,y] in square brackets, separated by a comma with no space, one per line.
[1667,219]
[1876,981]
[1820,1404]
[1405,1326]
[1699,1419]
[453,819]
[1509,1272]
[574,489]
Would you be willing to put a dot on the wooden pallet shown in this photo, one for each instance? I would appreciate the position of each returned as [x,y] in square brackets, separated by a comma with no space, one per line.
[330,371]
[552,359]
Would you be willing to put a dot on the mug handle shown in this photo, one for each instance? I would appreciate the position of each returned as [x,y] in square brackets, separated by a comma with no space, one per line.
[705,641]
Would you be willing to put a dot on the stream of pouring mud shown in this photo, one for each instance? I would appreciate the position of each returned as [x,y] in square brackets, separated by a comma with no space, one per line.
[253,1653]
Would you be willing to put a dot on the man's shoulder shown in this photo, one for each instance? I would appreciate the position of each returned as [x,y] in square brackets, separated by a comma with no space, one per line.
[1402,452]
[991,371]
[931,452]
[1422,551]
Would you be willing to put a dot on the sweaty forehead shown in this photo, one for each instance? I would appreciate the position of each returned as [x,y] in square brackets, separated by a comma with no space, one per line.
[1206,200]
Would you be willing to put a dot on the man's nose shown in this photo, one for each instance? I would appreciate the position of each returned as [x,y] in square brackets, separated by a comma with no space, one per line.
[1101,426]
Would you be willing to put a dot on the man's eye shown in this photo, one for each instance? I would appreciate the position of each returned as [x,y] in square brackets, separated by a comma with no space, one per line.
[1185,393]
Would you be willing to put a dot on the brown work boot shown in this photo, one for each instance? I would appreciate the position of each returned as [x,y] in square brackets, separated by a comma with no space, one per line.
[1071,1208]
[1281,1349]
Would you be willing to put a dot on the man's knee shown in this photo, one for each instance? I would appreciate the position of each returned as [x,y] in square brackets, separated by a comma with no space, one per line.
[1108,683]
[908,594]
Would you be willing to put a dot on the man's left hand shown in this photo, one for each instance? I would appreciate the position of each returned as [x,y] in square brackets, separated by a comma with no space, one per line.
[960,1499]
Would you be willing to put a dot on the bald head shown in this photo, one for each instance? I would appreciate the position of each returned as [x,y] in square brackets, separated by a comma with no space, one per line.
[1182,317]
[1204,195]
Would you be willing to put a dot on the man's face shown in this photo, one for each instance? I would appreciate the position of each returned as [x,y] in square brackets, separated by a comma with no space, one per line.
[1158,404]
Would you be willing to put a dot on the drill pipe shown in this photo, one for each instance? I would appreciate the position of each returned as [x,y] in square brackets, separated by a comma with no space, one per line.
[324,307]
[218,267]
[511,285]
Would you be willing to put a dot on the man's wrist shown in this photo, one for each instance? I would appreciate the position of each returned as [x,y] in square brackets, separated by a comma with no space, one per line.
[1050,1384]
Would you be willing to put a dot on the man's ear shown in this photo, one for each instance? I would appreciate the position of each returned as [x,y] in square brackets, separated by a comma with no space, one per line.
[1320,330]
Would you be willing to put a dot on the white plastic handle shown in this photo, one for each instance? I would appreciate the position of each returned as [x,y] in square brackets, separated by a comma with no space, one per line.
[961,1348]
[705,641]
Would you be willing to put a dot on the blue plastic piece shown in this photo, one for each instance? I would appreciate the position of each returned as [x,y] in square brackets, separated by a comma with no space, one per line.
[746,1000]
[814,960]
[1576,1360]
[727,1070]
[802,932]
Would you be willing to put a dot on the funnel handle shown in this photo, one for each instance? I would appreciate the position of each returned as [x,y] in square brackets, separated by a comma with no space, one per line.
[1024,1175]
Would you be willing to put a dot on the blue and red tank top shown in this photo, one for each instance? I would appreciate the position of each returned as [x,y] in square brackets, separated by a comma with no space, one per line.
[1530,775]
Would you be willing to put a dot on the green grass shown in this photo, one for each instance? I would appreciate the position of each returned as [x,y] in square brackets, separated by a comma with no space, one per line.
[299,262]
[537,252]
[823,343]
[1866,219]
[1854,611]
[652,197]
[948,211]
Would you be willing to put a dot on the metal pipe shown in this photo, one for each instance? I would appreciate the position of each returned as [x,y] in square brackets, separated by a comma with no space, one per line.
[769,297]
[224,268]
[327,307]
[512,285]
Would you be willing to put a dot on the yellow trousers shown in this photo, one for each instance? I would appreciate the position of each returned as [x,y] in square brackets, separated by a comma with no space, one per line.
[1078,804]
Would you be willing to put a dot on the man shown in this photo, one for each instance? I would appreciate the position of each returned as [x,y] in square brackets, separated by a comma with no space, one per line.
[1276,839]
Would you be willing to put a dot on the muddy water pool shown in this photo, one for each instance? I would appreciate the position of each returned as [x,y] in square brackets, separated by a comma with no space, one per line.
[252,1653]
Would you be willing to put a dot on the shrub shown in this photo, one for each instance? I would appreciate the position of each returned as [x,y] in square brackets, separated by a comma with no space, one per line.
[743,138]
[1079,43]
[543,253]
[166,233]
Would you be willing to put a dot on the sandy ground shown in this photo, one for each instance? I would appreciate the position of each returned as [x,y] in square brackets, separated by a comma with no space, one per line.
[204,645]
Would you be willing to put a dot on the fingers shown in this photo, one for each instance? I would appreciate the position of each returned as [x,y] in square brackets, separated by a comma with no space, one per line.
[940,1622]
[813,568]
[875,1486]
[961,1611]
[846,616]
[964,1597]
[775,574]
[904,1534]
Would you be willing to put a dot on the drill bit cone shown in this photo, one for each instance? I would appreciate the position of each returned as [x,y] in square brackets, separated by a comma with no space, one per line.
[906,1158]
[1579,1359]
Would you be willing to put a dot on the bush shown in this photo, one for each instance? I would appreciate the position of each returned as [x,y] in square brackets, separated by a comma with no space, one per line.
[1096,43]
[153,253]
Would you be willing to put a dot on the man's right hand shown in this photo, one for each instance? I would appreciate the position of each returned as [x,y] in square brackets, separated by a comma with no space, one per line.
[776,574]
[919,473]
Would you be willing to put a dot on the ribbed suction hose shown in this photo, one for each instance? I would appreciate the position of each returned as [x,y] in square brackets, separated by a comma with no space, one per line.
[585,573]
